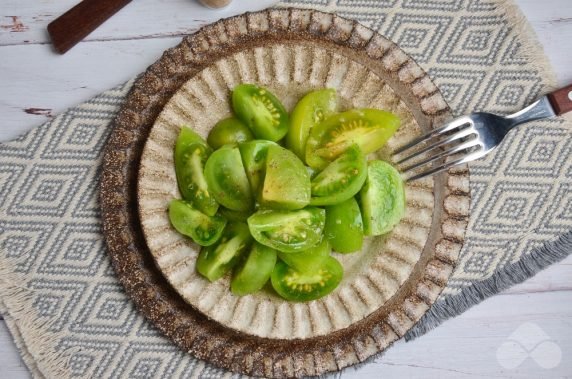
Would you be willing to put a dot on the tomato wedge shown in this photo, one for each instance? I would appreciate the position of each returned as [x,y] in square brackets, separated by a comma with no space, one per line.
[382,198]
[344,226]
[261,111]
[191,154]
[294,285]
[203,229]
[308,260]
[341,179]
[228,132]
[287,183]
[191,178]
[227,179]
[186,137]
[288,231]
[216,260]
[253,155]
[368,128]
[312,109]
[254,271]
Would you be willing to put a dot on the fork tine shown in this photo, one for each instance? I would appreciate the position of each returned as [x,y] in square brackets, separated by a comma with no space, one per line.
[461,134]
[467,158]
[451,151]
[443,129]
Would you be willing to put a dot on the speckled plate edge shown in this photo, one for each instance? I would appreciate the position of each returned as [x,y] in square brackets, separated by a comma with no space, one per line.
[191,330]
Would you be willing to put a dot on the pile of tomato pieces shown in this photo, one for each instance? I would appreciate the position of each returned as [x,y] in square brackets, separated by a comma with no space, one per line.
[269,195]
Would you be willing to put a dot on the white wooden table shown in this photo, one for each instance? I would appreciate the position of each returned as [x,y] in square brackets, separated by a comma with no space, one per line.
[36,83]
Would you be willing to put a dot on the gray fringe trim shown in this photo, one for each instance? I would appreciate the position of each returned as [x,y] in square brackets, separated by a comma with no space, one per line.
[530,264]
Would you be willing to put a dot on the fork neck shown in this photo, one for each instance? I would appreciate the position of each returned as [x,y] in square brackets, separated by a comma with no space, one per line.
[535,111]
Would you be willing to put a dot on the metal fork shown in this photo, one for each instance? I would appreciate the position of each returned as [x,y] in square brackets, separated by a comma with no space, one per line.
[471,137]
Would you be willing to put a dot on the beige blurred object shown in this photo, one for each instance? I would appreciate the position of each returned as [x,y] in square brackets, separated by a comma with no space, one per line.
[215,3]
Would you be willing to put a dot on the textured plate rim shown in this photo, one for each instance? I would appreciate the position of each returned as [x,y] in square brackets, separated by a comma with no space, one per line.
[188,328]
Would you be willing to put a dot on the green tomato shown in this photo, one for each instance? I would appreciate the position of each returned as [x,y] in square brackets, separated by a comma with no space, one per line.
[227,179]
[341,179]
[261,111]
[216,260]
[368,128]
[187,136]
[203,229]
[382,198]
[305,286]
[310,111]
[308,260]
[189,166]
[228,132]
[254,271]
[253,155]
[288,231]
[344,226]
[287,183]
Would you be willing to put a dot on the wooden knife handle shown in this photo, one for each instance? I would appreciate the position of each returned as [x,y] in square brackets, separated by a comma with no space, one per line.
[77,23]
[561,100]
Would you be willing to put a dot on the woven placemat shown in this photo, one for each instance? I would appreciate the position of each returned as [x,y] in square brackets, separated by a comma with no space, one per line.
[70,316]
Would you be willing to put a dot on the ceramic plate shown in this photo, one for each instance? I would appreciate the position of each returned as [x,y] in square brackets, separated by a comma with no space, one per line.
[387,286]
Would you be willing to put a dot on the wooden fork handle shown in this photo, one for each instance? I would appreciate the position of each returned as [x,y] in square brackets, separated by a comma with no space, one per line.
[77,23]
[561,100]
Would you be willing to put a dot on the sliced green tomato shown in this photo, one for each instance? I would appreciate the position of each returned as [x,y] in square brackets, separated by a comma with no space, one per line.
[344,226]
[227,179]
[341,179]
[382,198]
[254,271]
[288,231]
[227,132]
[203,229]
[308,260]
[187,136]
[368,128]
[253,155]
[310,110]
[287,183]
[294,285]
[216,260]
[189,167]
[261,111]
[233,216]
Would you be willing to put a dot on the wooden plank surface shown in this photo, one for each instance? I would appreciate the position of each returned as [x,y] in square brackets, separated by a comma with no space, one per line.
[25,21]
[37,84]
